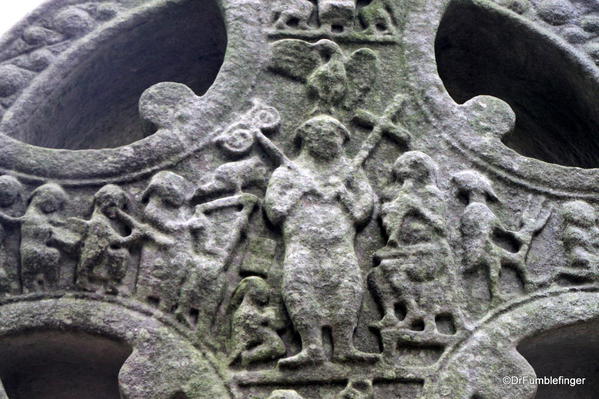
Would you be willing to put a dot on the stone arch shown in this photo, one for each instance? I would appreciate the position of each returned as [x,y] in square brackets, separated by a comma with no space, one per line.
[486,50]
[495,115]
[482,366]
[141,356]
[94,103]
[95,152]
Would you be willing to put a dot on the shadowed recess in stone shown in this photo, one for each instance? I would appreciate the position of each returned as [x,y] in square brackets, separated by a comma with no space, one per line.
[96,104]
[482,50]
[570,352]
[61,365]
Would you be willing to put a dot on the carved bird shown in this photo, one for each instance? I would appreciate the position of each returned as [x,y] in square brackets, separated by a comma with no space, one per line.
[331,77]
[328,82]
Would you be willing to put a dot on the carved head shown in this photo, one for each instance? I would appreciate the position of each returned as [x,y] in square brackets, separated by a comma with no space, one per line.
[169,187]
[48,198]
[327,48]
[109,199]
[579,213]
[417,166]
[256,288]
[10,191]
[474,185]
[323,137]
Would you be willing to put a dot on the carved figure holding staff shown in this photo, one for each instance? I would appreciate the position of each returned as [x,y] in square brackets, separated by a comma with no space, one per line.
[319,199]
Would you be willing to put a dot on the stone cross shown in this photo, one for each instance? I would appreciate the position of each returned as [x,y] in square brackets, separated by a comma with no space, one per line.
[300,199]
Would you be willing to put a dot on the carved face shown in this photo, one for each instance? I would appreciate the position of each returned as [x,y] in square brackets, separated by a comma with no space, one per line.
[414,165]
[10,190]
[168,187]
[323,137]
[110,199]
[261,294]
[49,198]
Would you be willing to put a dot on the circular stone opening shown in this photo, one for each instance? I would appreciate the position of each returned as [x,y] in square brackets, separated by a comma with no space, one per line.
[93,101]
[61,365]
[570,352]
[484,50]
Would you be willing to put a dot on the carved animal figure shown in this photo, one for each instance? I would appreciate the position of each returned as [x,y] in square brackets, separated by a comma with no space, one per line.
[319,201]
[332,78]
[480,228]
[45,239]
[254,324]
[337,16]
[357,389]
[328,82]
[417,266]
[285,394]
[234,176]
[376,18]
[105,253]
[292,14]
[11,197]
[581,240]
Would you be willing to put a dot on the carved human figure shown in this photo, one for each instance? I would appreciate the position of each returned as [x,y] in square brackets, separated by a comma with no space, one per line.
[109,234]
[319,199]
[376,18]
[581,240]
[11,198]
[482,232]
[417,267]
[163,267]
[254,323]
[292,14]
[45,238]
[205,280]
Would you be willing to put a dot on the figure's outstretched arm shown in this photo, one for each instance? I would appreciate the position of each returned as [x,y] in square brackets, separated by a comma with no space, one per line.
[10,220]
[245,199]
[140,231]
[133,238]
[67,240]
[77,224]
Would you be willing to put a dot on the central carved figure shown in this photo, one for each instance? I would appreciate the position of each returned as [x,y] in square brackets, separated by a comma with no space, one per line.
[319,199]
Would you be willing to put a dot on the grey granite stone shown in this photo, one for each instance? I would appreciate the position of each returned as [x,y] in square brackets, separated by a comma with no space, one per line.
[300,199]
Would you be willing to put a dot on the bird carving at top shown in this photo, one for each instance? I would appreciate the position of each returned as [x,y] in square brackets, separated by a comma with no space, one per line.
[332,78]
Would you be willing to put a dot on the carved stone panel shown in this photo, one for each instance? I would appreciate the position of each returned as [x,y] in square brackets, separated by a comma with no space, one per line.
[301,199]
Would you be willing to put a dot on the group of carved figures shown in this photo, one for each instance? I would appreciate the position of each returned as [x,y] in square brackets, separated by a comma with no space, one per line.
[336,16]
[181,267]
[320,200]
[418,269]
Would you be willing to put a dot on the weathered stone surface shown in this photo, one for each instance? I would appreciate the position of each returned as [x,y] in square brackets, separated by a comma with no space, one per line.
[317,199]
